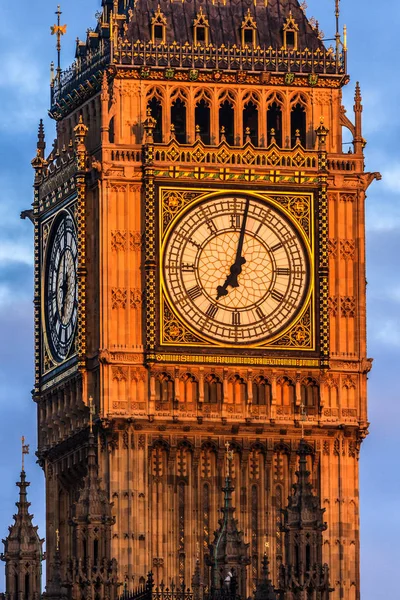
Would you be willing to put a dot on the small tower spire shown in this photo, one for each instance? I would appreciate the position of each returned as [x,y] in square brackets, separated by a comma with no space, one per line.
[358,140]
[303,525]
[228,553]
[23,547]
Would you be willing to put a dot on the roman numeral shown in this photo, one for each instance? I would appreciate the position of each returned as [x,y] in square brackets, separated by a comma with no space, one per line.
[212,311]
[196,244]
[235,221]
[236,318]
[276,247]
[260,313]
[277,295]
[187,267]
[282,271]
[211,226]
[194,292]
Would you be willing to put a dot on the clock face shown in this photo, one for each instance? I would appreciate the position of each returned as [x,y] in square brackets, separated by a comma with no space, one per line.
[235,269]
[61,287]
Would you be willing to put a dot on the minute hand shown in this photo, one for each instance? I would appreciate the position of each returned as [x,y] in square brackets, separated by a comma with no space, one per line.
[236,268]
[239,260]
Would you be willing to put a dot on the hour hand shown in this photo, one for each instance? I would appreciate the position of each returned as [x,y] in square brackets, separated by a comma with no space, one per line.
[232,279]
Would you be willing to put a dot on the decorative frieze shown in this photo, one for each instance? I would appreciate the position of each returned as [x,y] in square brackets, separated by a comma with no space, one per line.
[347,249]
[347,306]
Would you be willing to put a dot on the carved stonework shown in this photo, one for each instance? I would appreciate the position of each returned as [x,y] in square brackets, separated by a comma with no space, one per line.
[135,298]
[347,249]
[119,297]
[136,241]
[118,240]
[119,373]
[347,306]
[332,248]
[333,306]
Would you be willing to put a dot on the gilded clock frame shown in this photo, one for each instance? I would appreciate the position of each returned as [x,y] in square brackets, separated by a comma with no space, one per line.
[174,202]
[48,362]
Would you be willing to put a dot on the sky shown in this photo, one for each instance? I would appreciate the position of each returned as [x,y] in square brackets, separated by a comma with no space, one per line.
[26,49]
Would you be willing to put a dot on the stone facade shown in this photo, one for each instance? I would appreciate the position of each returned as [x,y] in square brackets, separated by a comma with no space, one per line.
[153,134]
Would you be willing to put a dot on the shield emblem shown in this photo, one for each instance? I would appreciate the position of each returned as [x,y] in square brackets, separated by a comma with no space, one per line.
[241,76]
[169,73]
[193,74]
[265,77]
[313,79]
[289,78]
[144,72]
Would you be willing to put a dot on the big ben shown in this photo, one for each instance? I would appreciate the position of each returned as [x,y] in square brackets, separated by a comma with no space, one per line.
[199,285]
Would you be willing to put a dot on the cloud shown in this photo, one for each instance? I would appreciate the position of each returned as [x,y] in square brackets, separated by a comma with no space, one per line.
[19,251]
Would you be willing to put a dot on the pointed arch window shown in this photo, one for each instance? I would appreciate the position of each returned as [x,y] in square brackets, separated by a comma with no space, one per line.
[298,124]
[178,119]
[290,33]
[202,120]
[309,393]
[201,29]
[227,121]
[285,392]
[249,31]
[158,27]
[274,124]
[164,388]
[157,113]
[261,391]
[212,390]
[250,123]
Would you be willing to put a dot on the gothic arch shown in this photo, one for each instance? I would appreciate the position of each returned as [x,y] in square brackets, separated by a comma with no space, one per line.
[261,388]
[285,392]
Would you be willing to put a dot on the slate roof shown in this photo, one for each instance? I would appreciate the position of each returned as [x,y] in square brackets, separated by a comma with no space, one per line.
[225,21]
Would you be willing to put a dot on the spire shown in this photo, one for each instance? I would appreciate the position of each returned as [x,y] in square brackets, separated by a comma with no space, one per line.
[92,520]
[228,552]
[303,526]
[358,141]
[41,144]
[23,547]
[265,589]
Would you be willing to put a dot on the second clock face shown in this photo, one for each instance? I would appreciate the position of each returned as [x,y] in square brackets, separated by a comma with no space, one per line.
[61,293]
[235,269]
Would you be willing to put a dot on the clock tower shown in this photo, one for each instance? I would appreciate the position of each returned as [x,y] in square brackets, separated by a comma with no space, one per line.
[199,280]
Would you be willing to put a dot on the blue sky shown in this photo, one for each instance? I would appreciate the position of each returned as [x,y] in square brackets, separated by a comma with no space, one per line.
[26,49]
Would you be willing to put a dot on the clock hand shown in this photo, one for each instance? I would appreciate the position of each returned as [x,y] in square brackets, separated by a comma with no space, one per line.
[236,268]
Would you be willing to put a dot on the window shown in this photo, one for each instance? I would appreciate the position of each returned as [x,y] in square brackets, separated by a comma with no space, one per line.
[212,390]
[309,393]
[249,30]
[274,124]
[164,388]
[201,29]
[156,112]
[202,120]
[290,33]
[250,123]
[226,122]
[261,391]
[158,27]
[285,392]
[298,125]
[178,120]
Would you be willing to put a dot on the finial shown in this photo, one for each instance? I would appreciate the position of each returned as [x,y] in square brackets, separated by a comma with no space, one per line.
[198,136]
[172,132]
[345,38]
[222,132]
[303,414]
[58,30]
[273,139]
[297,137]
[247,134]
[228,459]
[91,413]
[322,132]
[25,450]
